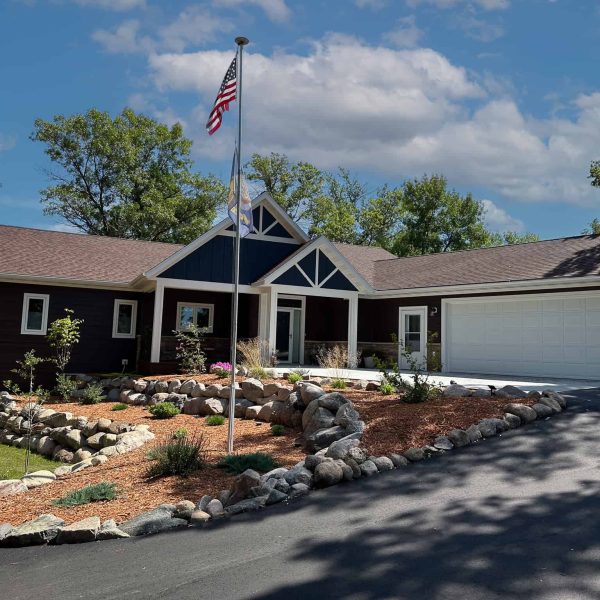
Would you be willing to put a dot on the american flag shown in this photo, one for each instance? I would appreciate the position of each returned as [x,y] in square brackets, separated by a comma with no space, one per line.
[227,94]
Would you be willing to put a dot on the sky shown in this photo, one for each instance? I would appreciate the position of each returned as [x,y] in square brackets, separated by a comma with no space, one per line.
[500,96]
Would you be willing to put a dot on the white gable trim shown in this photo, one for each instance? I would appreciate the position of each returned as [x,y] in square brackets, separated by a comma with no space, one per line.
[321,244]
[219,229]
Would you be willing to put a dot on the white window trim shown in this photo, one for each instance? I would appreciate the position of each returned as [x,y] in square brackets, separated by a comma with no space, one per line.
[26,298]
[194,305]
[118,303]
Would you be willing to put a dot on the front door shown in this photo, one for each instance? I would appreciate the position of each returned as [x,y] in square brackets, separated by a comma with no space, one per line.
[284,335]
[413,335]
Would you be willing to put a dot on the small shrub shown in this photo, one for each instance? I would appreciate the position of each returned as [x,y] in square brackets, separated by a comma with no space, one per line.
[164,410]
[339,384]
[387,387]
[257,373]
[294,377]
[190,355]
[119,406]
[221,369]
[252,353]
[65,386]
[179,434]
[92,394]
[420,393]
[90,493]
[277,430]
[213,420]
[62,335]
[238,463]
[182,457]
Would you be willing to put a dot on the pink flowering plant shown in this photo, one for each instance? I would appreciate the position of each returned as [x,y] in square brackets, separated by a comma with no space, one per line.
[220,369]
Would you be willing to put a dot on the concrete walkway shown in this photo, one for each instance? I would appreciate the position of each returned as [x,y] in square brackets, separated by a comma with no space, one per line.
[478,381]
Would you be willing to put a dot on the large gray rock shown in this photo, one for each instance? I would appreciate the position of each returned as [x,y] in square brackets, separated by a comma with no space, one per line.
[197,390]
[159,397]
[512,420]
[73,439]
[96,441]
[383,463]
[443,442]
[332,401]
[318,418]
[474,434]
[265,412]
[339,449]
[455,390]
[299,474]
[368,468]
[358,454]
[215,509]
[348,418]
[562,401]
[184,510]
[187,387]
[213,406]
[10,487]
[414,454]
[551,403]
[153,521]
[199,517]
[212,390]
[510,391]
[324,438]
[194,406]
[225,393]
[33,533]
[242,486]
[46,446]
[297,490]
[38,478]
[57,419]
[525,413]
[398,460]
[161,387]
[253,389]
[487,428]
[241,406]
[458,437]
[275,496]
[248,505]
[542,410]
[79,532]
[276,473]
[5,529]
[309,392]
[328,473]
[110,531]
[174,386]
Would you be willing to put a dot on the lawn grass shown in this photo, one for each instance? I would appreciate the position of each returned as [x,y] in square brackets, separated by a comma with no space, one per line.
[12,461]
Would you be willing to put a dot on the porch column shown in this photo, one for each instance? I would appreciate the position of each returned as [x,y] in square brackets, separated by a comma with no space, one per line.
[272,322]
[159,295]
[267,321]
[352,329]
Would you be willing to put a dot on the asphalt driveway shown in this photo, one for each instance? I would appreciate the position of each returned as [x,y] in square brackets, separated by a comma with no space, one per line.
[515,517]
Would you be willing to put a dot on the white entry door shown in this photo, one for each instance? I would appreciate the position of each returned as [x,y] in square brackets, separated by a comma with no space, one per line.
[285,335]
[413,335]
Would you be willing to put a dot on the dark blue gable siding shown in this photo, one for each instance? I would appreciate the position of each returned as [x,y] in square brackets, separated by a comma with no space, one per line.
[213,261]
[292,277]
[339,282]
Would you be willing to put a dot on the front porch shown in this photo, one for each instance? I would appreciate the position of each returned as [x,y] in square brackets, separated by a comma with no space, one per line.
[293,323]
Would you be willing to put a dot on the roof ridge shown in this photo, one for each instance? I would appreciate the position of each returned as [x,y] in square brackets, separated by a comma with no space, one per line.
[464,250]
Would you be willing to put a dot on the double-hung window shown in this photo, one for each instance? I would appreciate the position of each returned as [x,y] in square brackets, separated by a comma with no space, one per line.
[124,318]
[34,320]
[200,315]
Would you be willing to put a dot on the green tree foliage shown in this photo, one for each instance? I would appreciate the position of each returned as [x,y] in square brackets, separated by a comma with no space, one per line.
[593,228]
[508,238]
[62,335]
[127,176]
[595,173]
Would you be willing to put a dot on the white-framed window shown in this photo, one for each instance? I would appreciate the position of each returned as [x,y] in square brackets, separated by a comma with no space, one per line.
[34,320]
[124,318]
[200,314]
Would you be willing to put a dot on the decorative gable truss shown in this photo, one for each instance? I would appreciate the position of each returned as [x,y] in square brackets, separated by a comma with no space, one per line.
[266,225]
[318,265]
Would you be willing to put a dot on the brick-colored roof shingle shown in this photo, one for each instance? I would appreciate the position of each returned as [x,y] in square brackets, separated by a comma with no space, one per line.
[40,253]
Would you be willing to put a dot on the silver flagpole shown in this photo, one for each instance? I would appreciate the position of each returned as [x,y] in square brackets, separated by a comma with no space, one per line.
[241,42]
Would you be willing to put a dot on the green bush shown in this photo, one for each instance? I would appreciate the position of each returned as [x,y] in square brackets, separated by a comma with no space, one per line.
[214,420]
[386,387]
[182,457]
[277,430]
[421,392]
[294,377]
[179,434]
[119,406]
[92,394]
[257,373]
[90,493]
[65,386]
[238,463]
[339,384]
[164,410]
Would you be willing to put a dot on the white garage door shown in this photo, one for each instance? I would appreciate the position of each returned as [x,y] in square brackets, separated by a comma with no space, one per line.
[543,335]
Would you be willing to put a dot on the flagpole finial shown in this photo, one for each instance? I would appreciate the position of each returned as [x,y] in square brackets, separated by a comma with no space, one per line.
[242,41]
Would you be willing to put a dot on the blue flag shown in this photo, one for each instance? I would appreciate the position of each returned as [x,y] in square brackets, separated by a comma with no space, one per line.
[246,221]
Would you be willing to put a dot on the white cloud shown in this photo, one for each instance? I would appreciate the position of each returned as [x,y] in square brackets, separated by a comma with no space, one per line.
[498,219]
[276,10]
[64,228]
[113,4]
[372,4]
[406,34]
[7,142]
[400,112]
[484,4]
[479,29]
[194,26]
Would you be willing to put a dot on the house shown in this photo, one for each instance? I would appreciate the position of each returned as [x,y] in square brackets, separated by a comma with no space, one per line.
[530,309]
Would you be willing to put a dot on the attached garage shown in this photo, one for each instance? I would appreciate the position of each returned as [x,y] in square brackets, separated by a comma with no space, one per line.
[548,335]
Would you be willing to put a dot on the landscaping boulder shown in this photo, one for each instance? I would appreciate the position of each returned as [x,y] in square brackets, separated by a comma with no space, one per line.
[383,463]
[458,437]
[487,427]
[212,390]
[542,410]
[328,473]
[309,392]
[348,418]
[46,446]
[73,439]
[110,531]
[197,390]
[203,502]
[248,505]
[368,468]
[414,454]
[242,485]
[512,420]
[551,403]
[174,386]
[323,438]
[184,510]
[455,390]
[153,521]
[510,391]
[10,487]
[96,441]
[358,454]
[253,389]
[161,387]
[33,533]
[187,387]
[213,406]
[57,419]
[252,411]
[241,406]
[332,401]
[442,442]
[38,478]
[340,448]
[298,489]
[275,496]
[199,517]
[79,532]
[215,509]
[225,392]
[104,424]
[299,474]
[194,406]
[316,417]
[264,414]
[397,460]
[556,396]
[525,413]
[474,434]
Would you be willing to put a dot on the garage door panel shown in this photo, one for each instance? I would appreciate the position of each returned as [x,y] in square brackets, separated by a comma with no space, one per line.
[550,337]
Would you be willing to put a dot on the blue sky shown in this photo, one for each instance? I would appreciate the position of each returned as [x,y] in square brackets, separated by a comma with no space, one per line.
[501,96]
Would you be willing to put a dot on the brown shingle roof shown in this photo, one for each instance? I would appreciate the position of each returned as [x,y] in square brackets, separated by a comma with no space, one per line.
[40,253]
[363,258]
[564,257]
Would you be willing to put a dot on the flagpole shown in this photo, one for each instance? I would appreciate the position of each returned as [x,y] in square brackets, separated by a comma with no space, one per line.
[241,42]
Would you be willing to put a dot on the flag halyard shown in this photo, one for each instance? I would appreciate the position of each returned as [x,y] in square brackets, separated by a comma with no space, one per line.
[246,217]
[227,94]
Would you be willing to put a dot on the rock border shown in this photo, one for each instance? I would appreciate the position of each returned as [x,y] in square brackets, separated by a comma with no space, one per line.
[342,459]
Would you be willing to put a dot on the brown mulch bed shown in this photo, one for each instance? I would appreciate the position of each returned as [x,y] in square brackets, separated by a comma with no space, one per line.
[138,494]
[394,426]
